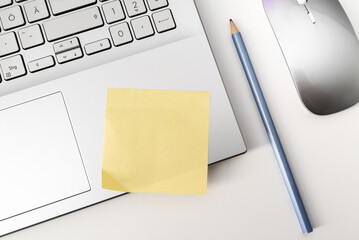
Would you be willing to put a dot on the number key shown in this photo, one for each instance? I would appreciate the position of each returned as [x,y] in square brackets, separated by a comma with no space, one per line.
[121,34]
[113,11]
[135,7]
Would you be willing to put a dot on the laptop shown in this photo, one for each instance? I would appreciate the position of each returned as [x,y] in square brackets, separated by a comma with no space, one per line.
[57,60]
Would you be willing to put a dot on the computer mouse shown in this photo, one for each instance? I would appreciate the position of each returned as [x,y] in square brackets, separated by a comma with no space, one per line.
[321,49]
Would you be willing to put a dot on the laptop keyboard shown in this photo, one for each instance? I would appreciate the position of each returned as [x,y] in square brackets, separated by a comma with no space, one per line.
[28,24]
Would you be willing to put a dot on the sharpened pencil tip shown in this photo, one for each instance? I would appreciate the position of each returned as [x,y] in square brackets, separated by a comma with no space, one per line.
[234,29]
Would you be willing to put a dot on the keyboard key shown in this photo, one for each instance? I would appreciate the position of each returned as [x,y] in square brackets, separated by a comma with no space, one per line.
[8,44]
[4,3]
[142,27]
[121,34]
[66,45]
[164,21]
[41,64]
[97,46]
[73,23]
[69,55]
[113,11]
[36,10]
[157,4]
[135,7]
[62,6]
[31,36]
[11,17]
[12,67]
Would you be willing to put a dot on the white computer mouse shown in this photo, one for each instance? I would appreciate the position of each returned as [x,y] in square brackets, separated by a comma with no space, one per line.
[321,49]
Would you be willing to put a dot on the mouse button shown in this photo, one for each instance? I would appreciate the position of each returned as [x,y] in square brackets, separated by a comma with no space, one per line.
[331,11]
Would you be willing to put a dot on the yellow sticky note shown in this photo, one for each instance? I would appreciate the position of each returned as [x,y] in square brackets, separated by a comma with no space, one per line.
[156,141]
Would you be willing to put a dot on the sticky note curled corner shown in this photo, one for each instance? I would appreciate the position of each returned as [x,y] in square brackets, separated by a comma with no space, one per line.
[156,141]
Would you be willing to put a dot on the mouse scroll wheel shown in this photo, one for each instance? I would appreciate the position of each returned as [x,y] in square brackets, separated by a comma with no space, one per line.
[310,14]
[302,2]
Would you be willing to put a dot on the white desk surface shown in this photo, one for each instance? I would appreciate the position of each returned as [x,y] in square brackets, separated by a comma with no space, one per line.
[246,198]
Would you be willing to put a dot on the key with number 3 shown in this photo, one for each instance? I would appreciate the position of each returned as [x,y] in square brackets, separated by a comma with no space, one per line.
[135,7]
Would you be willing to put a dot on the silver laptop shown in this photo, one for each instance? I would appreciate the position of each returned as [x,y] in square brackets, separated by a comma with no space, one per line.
[57,60]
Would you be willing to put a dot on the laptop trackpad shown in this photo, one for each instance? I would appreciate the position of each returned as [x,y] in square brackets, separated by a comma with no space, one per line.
[40,162]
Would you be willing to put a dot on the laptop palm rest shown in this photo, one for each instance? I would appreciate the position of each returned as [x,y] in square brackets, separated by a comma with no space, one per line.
[40,159]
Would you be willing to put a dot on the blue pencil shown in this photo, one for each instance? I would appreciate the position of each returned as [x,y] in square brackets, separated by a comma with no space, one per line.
[271,131]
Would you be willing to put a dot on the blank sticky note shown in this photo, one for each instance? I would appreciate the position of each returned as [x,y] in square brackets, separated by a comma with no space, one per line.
[156,141]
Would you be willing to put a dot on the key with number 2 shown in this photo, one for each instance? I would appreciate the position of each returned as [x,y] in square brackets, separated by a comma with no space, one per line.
[135,7]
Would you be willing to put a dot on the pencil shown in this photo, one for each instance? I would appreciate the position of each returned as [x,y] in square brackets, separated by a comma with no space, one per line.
[271,131]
